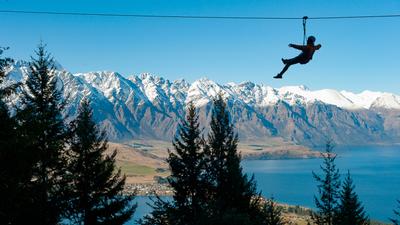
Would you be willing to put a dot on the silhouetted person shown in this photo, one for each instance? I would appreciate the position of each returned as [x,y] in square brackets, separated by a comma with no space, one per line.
[307,52]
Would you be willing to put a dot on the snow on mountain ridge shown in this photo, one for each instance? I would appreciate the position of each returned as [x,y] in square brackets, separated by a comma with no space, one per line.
[148,106]
[150,88]
[387,101]
[202,90]
[114,86]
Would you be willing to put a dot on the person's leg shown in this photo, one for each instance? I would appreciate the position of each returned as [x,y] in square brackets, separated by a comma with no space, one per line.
[291,61]
[288,63]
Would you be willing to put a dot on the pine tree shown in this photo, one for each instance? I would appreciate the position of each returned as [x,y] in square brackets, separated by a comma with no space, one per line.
[235,200]
[97,191]
[15,163]
[328,189]
[43,134]
[273,213]
[161,213]
[11,177]
[4,63]
[187,164]
[7,135]
[396,221]
[350,209]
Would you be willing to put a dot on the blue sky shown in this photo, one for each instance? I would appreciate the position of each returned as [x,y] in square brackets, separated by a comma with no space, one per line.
[355,54]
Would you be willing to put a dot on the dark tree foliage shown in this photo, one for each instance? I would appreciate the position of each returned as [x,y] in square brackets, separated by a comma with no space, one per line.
[209,184]
[273,213]
[4,63]
[234,198]
[328,189]
[161,213]
[96,190]
[7,152]
[350,209]
[188,179]
[187,166]
[43,134]
[15,167]
[396,220]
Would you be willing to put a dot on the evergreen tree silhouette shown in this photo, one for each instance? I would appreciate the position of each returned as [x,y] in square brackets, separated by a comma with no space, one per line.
[7,151]
[43,134]
[97,196]
[273,213]
[328,189]
[5,90]
[350,209]
[234,198]
[209,184]
[161,213]
[187,165]
[15,167]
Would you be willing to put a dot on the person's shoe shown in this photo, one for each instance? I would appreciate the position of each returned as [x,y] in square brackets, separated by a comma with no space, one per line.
[284,61]
[279,76]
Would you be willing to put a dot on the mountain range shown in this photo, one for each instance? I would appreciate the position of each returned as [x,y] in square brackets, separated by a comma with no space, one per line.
[150,107]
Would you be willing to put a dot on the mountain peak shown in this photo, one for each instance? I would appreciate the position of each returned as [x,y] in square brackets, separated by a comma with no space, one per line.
[148,106]
[204,89]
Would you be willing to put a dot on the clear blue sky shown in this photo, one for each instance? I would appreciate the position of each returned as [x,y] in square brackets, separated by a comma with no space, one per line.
[355,55]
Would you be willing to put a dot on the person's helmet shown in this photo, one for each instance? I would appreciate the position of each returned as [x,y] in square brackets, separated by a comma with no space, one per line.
[311,39]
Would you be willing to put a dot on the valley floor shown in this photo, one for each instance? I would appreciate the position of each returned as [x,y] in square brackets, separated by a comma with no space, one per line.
[143,161]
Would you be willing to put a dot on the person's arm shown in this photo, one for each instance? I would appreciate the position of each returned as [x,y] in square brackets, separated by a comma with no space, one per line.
[318,46]
[299,47]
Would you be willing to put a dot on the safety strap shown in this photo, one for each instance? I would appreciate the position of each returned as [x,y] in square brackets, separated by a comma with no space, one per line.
[304,29]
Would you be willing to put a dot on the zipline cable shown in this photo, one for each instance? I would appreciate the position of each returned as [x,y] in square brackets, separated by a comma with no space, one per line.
[196,16]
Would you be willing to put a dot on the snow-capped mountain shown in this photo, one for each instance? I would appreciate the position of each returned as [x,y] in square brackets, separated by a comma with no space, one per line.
[148,106]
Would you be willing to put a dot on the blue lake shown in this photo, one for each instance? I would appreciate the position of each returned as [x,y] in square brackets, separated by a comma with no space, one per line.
[375,170]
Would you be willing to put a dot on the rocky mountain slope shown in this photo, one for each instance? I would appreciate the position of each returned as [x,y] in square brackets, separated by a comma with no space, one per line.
[149,107]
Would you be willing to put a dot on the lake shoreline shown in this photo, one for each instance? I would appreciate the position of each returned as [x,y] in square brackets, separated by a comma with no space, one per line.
[375,170]
[292,214]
